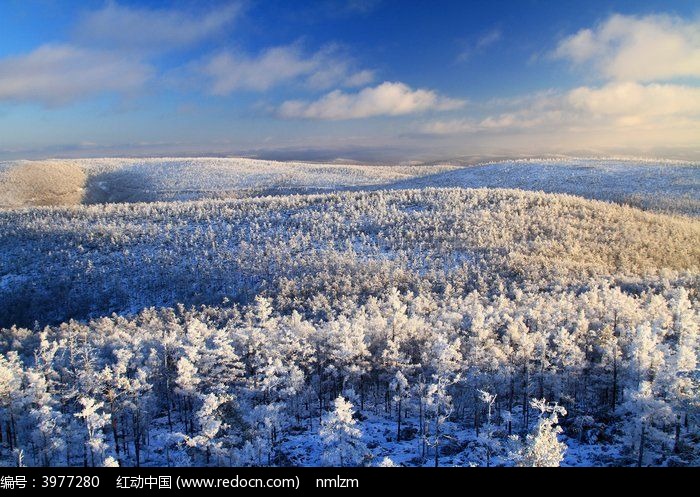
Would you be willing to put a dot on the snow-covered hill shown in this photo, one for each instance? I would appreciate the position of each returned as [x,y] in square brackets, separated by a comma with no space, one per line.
[409,307]
[60,263]
[667,186]
[176,179]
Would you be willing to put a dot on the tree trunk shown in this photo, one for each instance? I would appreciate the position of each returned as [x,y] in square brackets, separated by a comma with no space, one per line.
[641,447]
[362,392]
[476,413]
[437,440]
[614,385]
[526,405]
[115,435]
[398,424]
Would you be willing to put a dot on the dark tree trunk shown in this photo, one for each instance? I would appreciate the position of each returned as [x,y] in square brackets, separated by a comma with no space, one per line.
[641,447]
[398,423]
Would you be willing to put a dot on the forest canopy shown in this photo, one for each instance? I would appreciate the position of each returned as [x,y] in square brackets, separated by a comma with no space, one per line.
[484,327]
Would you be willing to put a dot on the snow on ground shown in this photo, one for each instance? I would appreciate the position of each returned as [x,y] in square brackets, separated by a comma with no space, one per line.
[661,185]
[670,186]
[303,447]
[168,179]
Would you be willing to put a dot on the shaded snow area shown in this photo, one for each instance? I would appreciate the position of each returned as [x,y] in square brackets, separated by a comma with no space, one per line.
[461,447]
[304,446]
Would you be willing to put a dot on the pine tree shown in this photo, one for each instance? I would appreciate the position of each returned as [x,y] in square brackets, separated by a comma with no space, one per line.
[210,425]
[342,440]
[399,385]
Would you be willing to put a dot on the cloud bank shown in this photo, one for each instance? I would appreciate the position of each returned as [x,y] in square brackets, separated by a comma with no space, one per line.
[58,74]
[612,106]
[643,98]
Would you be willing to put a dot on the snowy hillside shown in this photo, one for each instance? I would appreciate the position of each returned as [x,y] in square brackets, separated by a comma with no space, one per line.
[61,263]
[667,186]
[149,180]
[412,327]
[377,326]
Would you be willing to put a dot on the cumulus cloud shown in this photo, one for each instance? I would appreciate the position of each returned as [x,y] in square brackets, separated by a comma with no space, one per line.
[57,74]
[151,29]
[641,102]
[228,71]
[629,48]
[386,99]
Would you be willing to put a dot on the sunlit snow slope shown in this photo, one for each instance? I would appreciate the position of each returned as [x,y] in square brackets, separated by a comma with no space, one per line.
[667,186]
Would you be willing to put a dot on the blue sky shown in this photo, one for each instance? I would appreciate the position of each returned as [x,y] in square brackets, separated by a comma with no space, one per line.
[358,79]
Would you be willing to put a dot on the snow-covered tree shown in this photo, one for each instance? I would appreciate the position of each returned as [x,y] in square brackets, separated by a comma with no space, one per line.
[400,387]
[486,438]
[342,439]
[265,422]
[542,447]
[646,416]
[95,419]
[209,425]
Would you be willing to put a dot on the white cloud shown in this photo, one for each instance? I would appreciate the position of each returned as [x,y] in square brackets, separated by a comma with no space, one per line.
[57,74]
[386,99]
[480,44]
[636,101]
[449,127]
[229,72]
[629,48]
[641,103]
[489,38]
[146,29]
[615,106]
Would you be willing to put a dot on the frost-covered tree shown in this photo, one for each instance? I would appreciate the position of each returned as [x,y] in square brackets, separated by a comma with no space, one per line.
[265,422]
[486,439]
[94,419]
[342,439]
[209,425]
[400,387]
[11,402]
[542,447]
[646,416]
[46,420]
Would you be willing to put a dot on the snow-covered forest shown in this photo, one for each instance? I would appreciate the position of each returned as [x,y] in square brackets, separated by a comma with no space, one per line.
[659,185]
[406,327]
